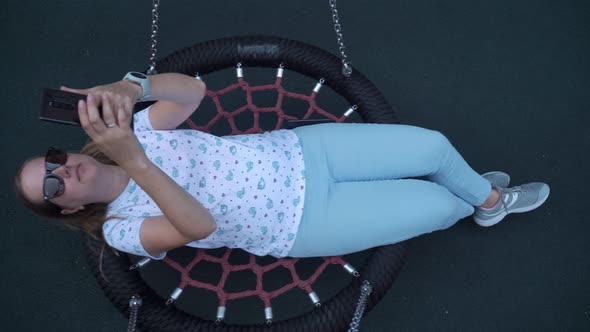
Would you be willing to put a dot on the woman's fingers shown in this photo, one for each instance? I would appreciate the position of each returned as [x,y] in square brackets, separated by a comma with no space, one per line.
[127,108]
[124,113]
[80,91]
[84,119]
[108,116]
[94,119]
[119,96]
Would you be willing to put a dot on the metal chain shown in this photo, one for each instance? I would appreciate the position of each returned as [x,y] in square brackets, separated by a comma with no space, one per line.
[346,68]
[346,65]
[134,305]
[366,290]
[152,69]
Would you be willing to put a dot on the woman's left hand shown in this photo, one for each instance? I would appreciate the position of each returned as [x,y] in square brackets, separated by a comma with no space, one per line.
[110,130]
[122,94]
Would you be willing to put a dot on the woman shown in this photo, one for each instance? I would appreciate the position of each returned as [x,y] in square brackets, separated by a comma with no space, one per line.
[320,190]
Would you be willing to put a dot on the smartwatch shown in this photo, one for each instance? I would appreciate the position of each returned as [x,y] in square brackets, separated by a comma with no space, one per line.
[141,80]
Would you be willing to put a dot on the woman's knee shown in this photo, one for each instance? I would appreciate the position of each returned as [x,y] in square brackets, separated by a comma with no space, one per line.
[452,208]
[462,210]
[438,140]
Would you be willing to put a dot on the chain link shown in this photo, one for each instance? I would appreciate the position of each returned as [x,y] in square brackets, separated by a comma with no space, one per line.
[155,17]
[134,303]
[366,290]
[346,68]
[346,65]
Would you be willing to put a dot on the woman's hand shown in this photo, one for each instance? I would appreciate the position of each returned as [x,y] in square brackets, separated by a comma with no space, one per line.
[122,94]
[111,133]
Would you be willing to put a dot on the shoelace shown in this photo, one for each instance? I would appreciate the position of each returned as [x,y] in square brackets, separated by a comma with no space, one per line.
[508,191]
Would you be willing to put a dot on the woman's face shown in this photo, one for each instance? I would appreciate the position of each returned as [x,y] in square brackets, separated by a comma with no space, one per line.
[80,174]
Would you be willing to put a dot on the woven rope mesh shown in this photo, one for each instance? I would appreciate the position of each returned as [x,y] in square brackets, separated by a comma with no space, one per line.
[249,276]
[257,111]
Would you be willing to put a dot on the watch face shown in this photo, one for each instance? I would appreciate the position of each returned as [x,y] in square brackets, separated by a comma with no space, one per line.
[138,75]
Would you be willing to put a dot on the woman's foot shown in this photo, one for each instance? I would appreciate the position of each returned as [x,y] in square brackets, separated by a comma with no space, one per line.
[517,199]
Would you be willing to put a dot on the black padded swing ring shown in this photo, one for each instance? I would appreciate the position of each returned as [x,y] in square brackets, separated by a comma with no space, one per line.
[381,268]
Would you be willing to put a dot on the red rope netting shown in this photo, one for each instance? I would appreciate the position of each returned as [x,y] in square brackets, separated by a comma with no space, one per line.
[256,111]
[259,270]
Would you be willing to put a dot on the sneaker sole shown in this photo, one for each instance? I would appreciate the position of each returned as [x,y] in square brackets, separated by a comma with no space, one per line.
[498,218]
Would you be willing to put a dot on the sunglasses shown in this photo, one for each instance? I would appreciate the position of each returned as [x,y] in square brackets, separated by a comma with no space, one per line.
[53,185]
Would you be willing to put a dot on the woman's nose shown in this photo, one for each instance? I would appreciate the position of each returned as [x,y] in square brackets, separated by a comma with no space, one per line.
[64,171]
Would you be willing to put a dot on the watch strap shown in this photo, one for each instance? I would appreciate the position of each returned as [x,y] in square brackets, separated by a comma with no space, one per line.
[141,80]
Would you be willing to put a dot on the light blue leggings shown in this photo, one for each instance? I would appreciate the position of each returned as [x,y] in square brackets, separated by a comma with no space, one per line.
[358,194]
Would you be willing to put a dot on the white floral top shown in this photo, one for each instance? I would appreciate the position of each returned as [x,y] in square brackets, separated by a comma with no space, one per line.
[253,185]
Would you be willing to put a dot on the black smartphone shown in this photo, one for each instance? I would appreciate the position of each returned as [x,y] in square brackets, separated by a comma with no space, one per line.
[62,107]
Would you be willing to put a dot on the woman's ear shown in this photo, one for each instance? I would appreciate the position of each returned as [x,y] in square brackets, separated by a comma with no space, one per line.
[70,211]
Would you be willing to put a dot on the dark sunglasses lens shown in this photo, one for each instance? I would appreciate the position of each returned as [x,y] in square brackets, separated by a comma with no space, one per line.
[53,187]
[55,158]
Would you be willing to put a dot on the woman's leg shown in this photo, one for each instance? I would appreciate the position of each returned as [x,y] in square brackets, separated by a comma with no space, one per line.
[344,217]
[356,198]
[363,152]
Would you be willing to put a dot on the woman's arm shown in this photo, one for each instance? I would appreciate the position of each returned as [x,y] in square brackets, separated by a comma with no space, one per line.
[178,97]
[158,235]
[181,209]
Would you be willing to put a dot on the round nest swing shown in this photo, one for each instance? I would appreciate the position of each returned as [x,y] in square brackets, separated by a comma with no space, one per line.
[381,268]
